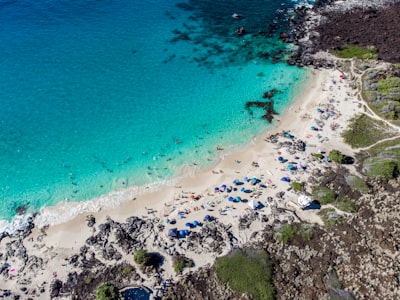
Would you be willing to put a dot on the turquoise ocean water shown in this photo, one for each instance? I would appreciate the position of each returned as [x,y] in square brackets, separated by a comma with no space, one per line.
[98,96]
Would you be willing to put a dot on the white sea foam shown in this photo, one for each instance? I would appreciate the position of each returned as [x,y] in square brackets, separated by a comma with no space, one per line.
[66,211]
[19,222]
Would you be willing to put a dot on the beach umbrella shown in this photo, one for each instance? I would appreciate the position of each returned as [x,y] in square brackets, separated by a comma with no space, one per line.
[242,189]
[191,196]
[166,220]
[195,223]
[238,199]
[188,224]
[280,158]
[246,178]
[216,189]
[254,179]
[182,233]
[230,199]
[207,218]
[186,232]
[173,232]
[286,179]
[223,186]
[235,181]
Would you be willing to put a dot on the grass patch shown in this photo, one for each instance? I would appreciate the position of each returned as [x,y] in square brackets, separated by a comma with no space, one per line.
[89,280]
[247,271]
[353,51]
[329,216]
[364,131]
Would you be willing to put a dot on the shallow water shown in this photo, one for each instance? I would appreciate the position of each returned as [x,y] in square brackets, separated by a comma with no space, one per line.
[98,96]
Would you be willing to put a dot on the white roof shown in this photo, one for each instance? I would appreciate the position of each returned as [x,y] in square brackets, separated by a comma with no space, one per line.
[304,200]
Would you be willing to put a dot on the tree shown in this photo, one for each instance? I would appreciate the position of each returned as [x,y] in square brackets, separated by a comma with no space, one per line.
[141,257]
[336,156]
[107,291]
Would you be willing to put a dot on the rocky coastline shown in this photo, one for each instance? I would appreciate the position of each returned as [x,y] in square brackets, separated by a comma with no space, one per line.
[348,255]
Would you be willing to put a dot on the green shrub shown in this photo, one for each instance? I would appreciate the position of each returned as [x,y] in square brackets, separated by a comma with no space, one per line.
[286,233]
[389,86]
[324,195]
[350,51]
[127,270]
[318,155]
[247,271]
[344,203]
[386,169]
[181,262]
[107,291]
[141,257]
[329,216]
[357,184]
[306,232]
[297,186]
[89,280]
[336,156]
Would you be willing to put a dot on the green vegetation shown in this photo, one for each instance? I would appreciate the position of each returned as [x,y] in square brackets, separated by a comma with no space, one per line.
[382,160]
[127,270]
[344,203]
[327,196]
[89,280]
[364,131]
[324,195]
[383,168]
[317,155]
[181,262]
[357,184]
[286,233]
[336,156]
[247,272]
[350,51]
[141,257]
[329,216]
[107,291]
[297,186]
[390,86]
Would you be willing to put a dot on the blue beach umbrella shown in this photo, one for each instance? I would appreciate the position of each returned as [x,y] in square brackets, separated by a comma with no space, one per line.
[246,178]
[207,218]
[280,158]
[223,186]
[230,199]
[238,199]
[235,181]
[188,224]
[216,189]
[195,223]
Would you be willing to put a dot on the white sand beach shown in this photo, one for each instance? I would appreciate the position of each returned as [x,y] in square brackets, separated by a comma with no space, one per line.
[327,97]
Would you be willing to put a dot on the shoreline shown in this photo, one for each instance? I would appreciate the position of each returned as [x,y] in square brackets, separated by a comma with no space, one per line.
[259,159]
[49,215]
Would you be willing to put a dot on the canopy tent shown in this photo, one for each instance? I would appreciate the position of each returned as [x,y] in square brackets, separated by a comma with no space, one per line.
[173,232]
[304,200]
[253,204]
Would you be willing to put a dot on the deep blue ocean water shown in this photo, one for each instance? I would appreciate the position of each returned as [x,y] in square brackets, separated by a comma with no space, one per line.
[103,95]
